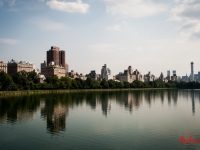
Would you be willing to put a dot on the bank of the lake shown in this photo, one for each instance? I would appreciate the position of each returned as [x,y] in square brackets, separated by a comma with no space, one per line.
[26,92]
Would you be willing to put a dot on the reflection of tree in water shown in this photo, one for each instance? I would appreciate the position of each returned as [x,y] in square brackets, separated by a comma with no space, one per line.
[91,99]
[18,108]
[55,111]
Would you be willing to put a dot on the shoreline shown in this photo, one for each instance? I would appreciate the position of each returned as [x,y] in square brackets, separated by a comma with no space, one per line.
[27,92]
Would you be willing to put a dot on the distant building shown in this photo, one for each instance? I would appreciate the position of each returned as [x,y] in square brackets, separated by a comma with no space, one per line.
[198,76]
[3,66]
[185,78]
[129,75]
[148,77]
[161,76]
[168,75]
[106,73]
[55,64]
[52,70]
[66,68]
[94,75]
[192,72]
[174,72]
[14,66]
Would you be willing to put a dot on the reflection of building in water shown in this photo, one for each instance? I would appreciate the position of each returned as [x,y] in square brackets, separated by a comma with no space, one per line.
[130,100]
[193,102]
[55,116]
[149,96]
[105,103]
[169,97]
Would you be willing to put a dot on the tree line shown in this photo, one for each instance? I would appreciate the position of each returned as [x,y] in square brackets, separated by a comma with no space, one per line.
[30,81]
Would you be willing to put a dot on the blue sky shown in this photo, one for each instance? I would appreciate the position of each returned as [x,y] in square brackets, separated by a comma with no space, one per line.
[149,35]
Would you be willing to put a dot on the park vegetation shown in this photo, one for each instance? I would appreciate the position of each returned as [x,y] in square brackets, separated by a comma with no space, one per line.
[30,81]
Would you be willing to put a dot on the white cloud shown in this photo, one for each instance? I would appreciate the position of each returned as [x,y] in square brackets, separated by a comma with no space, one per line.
[115,27]
[134,8]
[71,7]
[8,41]
[49,25]
[188,14]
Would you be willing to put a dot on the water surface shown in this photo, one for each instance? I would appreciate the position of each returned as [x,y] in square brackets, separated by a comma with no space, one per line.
[149,119]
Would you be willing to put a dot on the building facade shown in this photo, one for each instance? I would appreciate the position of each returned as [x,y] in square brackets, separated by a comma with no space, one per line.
[106,73]
[148,77]
[56,56]
[94,75]
[55,64]
[14,67]
[129,75]
[52,70]
[3,66]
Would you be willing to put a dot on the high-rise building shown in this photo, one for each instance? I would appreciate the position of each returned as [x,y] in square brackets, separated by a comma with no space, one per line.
[174,72]
[57,56]
[106,73]
[192,72]
[168,73]
[55,64]
[53,55]
[62,58]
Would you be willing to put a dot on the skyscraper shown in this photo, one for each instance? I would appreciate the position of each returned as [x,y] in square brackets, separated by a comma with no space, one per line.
[55,64]
[168,73]
[192,72]
[62,58]
[53,55]
[57,56]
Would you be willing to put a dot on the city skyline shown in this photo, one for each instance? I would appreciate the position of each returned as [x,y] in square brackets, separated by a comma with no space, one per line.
[148,35]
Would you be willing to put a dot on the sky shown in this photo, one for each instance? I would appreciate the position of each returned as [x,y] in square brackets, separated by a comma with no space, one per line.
[149,35]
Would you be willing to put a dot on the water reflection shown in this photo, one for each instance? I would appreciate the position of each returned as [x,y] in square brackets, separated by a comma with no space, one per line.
[193,102]
[54,111]
[18,109]
[54,108]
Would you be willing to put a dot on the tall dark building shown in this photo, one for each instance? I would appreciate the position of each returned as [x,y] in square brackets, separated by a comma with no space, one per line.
[192,71]
[62,58]
[53,55]
[57,56]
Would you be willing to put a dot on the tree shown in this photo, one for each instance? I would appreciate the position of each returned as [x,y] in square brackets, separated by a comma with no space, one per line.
[104,84]
[67,82]
[5,80]
[90,83]
[126,84]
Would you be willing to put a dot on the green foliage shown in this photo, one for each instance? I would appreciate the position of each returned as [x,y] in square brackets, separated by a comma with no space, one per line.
[5,80]
[30,81]
[104,84]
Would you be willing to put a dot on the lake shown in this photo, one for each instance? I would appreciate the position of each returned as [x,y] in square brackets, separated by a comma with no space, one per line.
[114,120]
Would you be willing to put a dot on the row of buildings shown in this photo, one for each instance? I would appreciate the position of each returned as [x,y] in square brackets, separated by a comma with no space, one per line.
[55,64]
